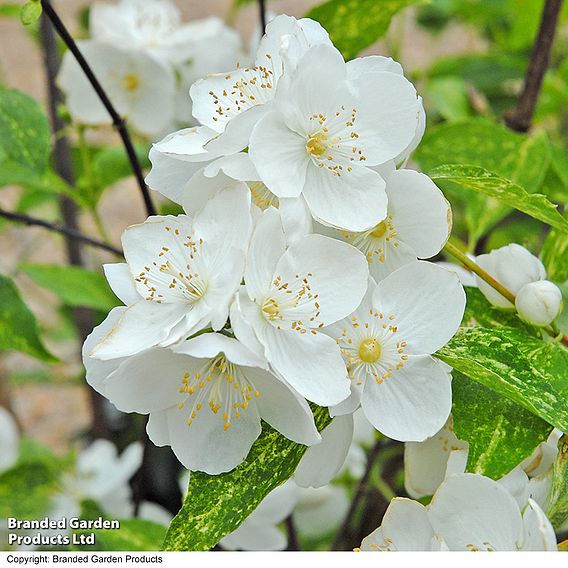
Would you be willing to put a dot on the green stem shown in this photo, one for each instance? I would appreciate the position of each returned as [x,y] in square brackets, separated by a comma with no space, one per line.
[100,225]
[476,269]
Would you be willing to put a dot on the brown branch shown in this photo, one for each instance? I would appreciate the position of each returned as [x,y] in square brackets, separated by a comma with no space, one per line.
[117,120]
[262,14]
[521,117]
[345,531]
[70,233]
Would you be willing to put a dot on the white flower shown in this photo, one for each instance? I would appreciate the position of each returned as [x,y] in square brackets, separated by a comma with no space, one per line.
[140,87]
[209,401]
[513,266]
[154,26]
[180,276]
[417,224]
[468,512]
[387,344]
[539,303]
[426,463]
[9,440]
[240,98]
[320,511]
[259,531]
[330,121]
[292,292]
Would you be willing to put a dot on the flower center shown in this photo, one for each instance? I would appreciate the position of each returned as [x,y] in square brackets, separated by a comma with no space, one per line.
[316,144]
[262,197]
[271,309]
[370,350]
[131,82]
[379,230]
[219,385]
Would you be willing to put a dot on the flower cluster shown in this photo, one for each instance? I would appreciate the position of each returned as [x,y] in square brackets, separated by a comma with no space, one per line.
[146,58]
[294,273]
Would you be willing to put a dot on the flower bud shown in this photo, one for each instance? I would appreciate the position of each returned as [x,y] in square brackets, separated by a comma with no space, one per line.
[538,303]
[513,266]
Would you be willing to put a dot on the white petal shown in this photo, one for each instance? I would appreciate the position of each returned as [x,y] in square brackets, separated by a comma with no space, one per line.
[427,301]
[96,370]
[322,462]
[387,115]
[206,445]
[209,345]
[142,325]
[425,462]
[278,504]
[279,156]
[516,483]
[238,166]
[473,510]
[538,532]
[340,290]
[187,144]
[157,428]
[421,213]
[312,364]
[283,408]
[149,381]
[266,247]
[9,440]
[372,64]
[242,329]
[121,282]
[355,200]
[253,536]
[413,404]
[296,218]
[169,175]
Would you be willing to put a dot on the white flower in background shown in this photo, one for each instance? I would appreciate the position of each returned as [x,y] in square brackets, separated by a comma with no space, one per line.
[330,121]
[320,511]
[102,475]
[260,531]
[466,277]
[513,266]
[9,440]
[290,294]
[180,276]
[468,512]
[417,225]
[387,344]
[208,402]
[140,87]
[425,463]
[539,303]
[239,98]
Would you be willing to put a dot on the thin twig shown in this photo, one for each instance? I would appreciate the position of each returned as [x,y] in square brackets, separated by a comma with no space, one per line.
[361,491]
[71,233]
[117,120]
[293,543]
[262,14]
[521,117]
[475,268]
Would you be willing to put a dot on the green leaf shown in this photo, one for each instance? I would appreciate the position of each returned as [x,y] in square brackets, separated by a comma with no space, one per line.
[519,158]
[216,505]
[482,181]
[136,535]
[447,96]
[354,25]
[479,312]
[18,327]
[75,286]
[26,490]
[558,509]
[524,369]
[31,12]
[24,130]
[500,433]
